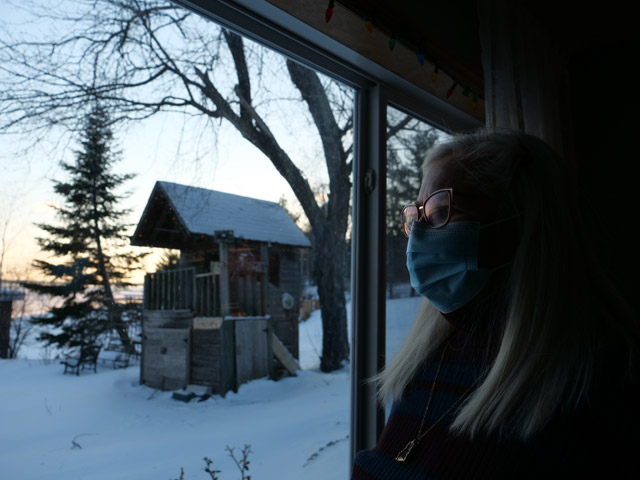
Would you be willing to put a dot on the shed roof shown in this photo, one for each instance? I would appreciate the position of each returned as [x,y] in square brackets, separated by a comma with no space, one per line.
[203,211]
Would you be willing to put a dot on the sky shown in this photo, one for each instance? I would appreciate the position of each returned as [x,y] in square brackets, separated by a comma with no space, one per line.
[151,152]
[297,427]
[161,148]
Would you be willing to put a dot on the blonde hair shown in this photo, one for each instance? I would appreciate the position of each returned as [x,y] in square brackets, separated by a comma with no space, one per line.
[560,308]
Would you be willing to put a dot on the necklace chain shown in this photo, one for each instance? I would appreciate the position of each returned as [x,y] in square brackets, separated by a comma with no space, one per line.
[404,453]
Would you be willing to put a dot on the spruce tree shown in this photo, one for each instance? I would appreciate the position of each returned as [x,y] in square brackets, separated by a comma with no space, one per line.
[89,242]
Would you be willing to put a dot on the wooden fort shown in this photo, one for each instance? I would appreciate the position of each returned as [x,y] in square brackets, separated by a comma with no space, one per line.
[229,312]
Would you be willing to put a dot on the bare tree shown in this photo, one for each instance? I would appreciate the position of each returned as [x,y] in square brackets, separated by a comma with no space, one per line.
[21,326]
[5,221]
[144,57]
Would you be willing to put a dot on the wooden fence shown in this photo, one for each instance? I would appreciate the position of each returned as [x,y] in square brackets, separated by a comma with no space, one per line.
[183,289]
[170,289]
[206,301]
[209,294]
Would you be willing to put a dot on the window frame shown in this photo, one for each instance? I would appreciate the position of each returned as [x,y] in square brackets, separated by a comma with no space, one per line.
[376,88]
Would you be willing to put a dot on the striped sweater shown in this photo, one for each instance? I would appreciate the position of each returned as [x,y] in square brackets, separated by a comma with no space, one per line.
[574,445]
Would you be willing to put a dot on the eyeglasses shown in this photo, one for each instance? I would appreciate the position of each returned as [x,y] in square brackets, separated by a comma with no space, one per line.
[435,211]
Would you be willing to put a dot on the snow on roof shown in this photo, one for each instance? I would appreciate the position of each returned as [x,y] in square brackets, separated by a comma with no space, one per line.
[206,211]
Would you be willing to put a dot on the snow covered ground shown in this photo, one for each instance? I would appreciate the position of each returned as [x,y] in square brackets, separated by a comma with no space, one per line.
[108,426]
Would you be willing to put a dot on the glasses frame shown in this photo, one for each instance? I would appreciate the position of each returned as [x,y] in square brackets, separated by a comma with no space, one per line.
[421,209]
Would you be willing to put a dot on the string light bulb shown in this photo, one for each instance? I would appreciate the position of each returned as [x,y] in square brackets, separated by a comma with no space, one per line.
[329,11]
[369,25]
[434,75]
[474,105]
[421,58]
[451,89]
[392,42]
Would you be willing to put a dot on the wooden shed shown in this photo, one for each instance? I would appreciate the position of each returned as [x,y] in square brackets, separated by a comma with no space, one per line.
[213,320]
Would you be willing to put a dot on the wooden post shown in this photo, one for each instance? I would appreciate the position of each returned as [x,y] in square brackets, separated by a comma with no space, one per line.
[270,336]
[228,341]
[194,293]
[157,305]
[5,326]
[256,303]
[163,290]
[145,293]
[211,289]
[224,279]
[264,256]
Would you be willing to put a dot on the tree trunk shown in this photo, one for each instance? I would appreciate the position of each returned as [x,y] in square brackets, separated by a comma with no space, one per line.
[115,319]
[329,275]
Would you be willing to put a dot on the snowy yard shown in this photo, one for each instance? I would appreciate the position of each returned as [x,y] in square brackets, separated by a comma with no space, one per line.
[108,426]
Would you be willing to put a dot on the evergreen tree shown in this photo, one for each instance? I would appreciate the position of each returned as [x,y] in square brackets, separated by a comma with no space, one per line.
[404,176]
[89,239]
[169,260]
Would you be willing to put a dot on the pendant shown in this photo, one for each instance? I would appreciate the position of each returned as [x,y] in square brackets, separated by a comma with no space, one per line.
[404,453]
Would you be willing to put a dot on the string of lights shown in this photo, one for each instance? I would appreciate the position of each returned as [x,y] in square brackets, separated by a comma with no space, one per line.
[395,37]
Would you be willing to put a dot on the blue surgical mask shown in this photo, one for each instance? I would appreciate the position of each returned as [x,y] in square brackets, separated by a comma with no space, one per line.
[443,264]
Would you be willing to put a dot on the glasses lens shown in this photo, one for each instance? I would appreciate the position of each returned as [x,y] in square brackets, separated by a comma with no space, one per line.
[409,216]
[436,209]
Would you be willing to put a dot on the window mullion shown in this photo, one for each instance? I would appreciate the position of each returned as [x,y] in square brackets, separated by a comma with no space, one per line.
[368,267]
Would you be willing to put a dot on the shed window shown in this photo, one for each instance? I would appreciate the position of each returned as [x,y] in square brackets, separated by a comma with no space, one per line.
[274,269]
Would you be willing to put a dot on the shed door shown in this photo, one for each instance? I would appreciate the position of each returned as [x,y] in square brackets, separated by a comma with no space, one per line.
[252,349]
[166,358]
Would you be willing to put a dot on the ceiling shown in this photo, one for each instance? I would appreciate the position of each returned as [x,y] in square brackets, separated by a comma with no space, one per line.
[447,31]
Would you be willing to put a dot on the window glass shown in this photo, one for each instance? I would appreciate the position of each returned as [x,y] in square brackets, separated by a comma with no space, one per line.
[408,141]
[229,168]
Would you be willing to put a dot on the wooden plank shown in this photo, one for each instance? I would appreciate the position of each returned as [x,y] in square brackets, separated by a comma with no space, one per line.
[285,326]
[150,373]
[224,279]
[145,292]
[264,279]
[252,349]
[208,373]
[206,323]
[190,294]
[176,358]
[283,355]
[157,304]
[228,356]
[167,318]
[166,358]
[271,365]
[206,361]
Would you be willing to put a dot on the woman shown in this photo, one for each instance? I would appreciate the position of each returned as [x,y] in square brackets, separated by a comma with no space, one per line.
[521,362]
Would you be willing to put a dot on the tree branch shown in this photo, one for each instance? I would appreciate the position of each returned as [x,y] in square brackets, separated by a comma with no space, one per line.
[254,129]
[315,96]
